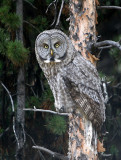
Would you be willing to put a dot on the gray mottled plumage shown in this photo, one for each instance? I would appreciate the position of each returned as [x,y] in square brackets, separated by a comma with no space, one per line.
[73,80]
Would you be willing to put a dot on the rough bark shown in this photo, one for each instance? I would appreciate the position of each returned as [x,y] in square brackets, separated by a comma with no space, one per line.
[82,135]
[82,138]
[83,25]
[20,91]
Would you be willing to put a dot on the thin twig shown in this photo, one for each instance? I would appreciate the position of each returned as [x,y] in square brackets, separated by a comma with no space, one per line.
[24,135]
[13,110]
[109,7]
[33,92]
[41,155]
[117,85]
[59,15]
[14,130]
[54,3]
[98,56]
[29,85]
[30,4]
[106,155]
[106,98]
[107,43]
[105,47]
[113,136]
[31,89]
[54,154]
[6,130]
[47,111]
[31,26]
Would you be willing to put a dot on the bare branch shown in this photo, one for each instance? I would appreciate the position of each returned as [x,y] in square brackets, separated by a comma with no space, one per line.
[117,85]
[9,96]
[54,3]
[105,47]
[24,135]
[36,145]
[109,7]
[59,15]
[116,132]
[106,155]
[31,89]
[13,110]
[29,85]
[47,111]
[6,130]
[107,43]
[14,130]
[30,4]
[106,98]
[54,154]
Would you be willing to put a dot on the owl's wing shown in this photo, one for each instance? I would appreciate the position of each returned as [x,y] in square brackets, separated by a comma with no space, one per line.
[84,85]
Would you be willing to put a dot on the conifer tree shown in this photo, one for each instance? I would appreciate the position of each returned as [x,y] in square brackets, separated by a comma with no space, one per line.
[12,49]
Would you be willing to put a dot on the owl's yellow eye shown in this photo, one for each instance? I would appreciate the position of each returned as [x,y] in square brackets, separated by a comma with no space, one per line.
[57,45]
[46,46]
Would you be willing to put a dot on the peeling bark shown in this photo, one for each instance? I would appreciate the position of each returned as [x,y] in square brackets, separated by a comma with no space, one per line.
[83,25]
[82,135]
[82,139]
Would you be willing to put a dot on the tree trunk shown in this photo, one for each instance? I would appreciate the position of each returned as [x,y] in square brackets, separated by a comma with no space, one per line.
[20,91]
[82,135]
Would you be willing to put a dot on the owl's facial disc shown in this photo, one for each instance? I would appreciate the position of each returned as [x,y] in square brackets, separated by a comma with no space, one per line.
[52,47]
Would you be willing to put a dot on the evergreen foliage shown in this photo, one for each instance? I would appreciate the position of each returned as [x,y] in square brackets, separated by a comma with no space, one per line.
[13,50]
[9,19]
[17,53]
[33,101]
[4,40]
[56,124]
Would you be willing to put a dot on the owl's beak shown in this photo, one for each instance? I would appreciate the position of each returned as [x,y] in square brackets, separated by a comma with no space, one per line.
[51,52]
[52,58]
[52,55]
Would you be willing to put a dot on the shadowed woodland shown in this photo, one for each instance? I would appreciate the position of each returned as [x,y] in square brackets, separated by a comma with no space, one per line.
[46,129]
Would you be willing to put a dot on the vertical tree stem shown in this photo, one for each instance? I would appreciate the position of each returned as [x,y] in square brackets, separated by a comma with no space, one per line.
[20,90]
[82,135]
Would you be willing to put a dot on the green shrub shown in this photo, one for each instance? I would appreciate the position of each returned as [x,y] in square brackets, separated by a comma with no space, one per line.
[56,124]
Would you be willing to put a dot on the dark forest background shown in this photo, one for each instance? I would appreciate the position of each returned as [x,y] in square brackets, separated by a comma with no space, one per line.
[45,129]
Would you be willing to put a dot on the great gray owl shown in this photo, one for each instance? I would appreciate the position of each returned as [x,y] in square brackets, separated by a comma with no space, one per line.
[73,80]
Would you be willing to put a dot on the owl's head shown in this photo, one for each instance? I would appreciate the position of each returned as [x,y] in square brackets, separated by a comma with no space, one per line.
[52,46]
